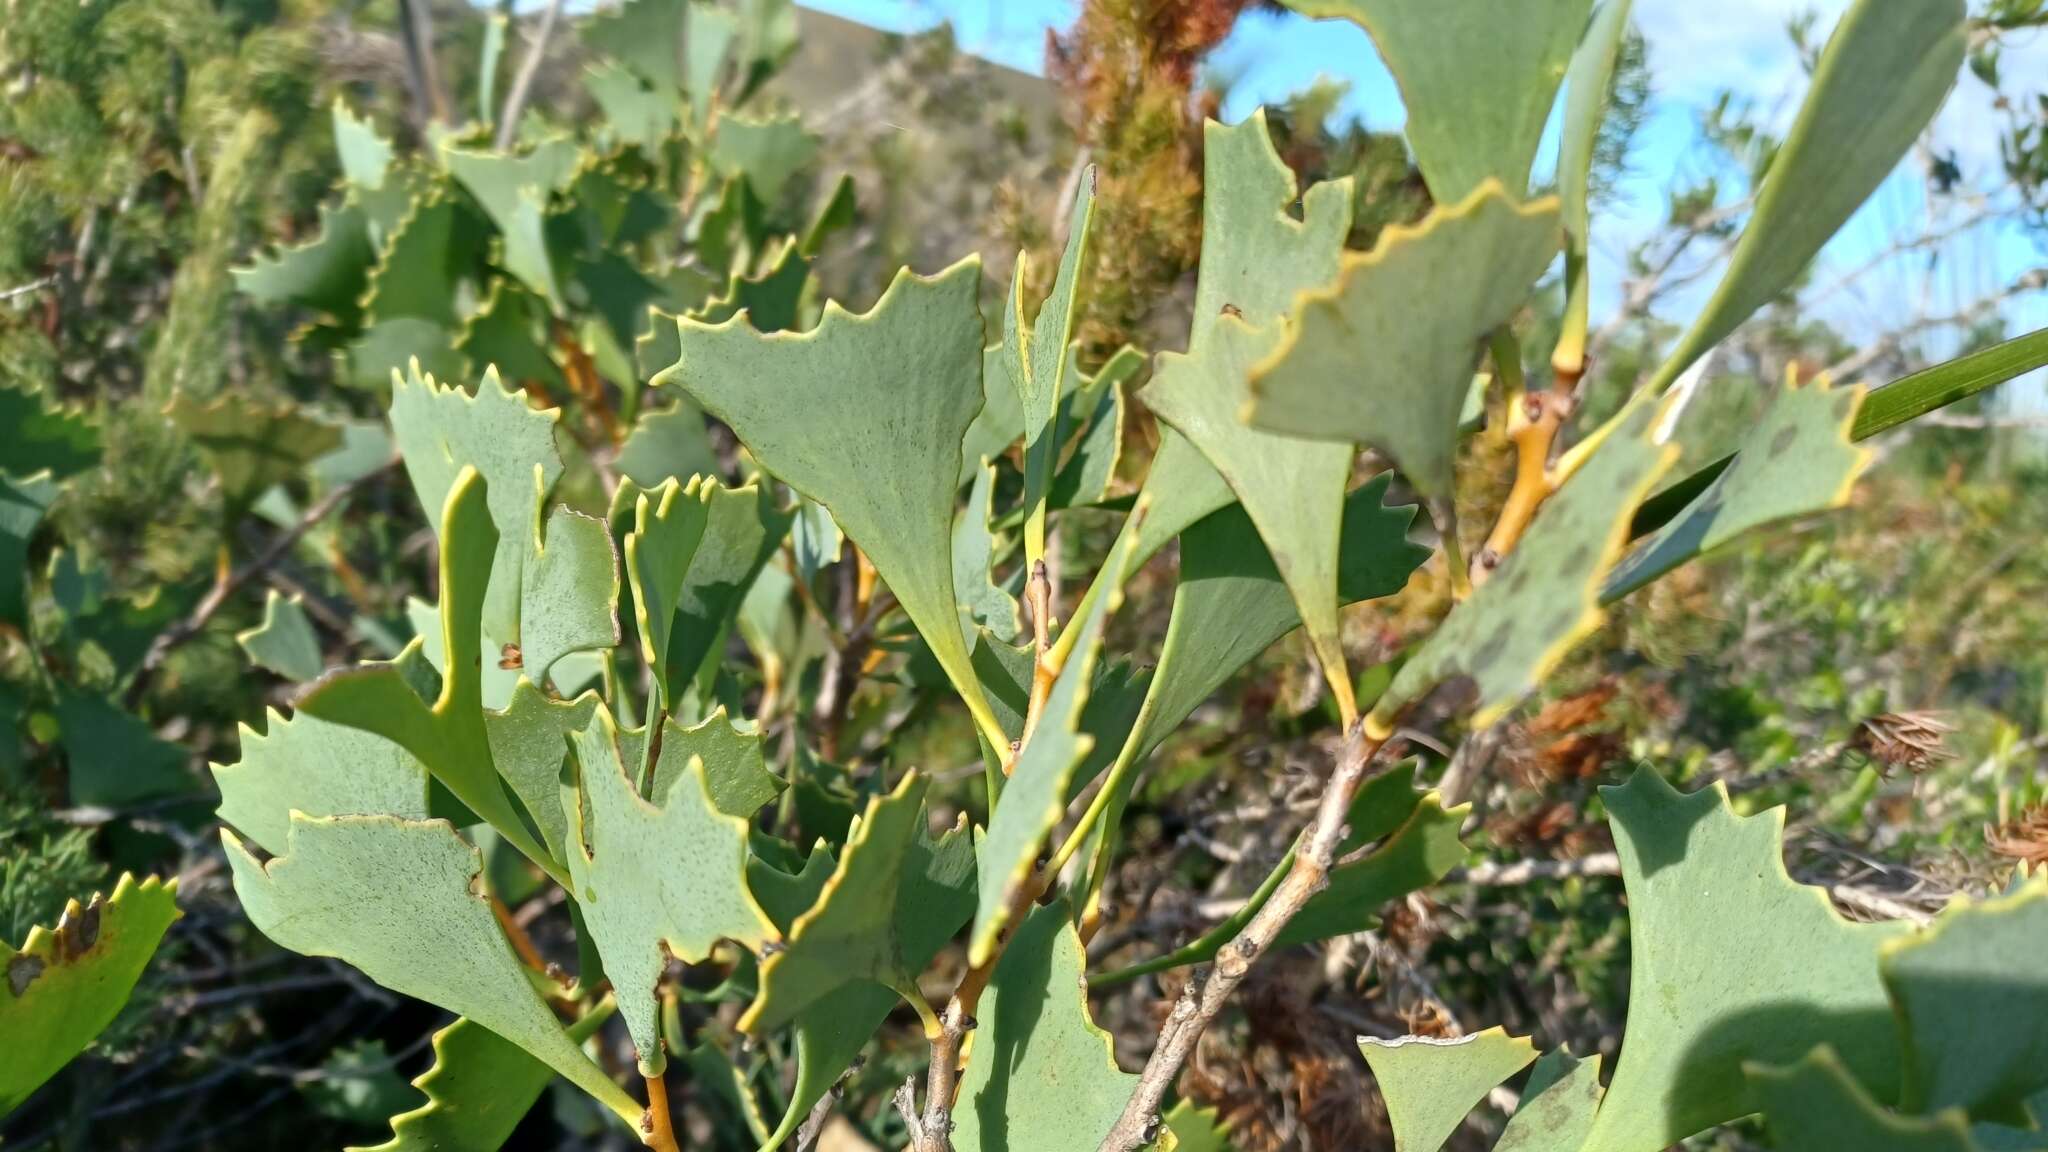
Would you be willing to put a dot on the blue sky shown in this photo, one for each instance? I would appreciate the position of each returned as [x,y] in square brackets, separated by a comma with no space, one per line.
[1695,49]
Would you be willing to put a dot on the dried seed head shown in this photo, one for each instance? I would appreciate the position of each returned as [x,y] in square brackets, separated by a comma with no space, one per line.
[2024,839]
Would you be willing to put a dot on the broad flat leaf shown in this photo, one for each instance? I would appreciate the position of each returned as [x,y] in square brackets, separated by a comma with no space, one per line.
[667,525]
[1544,597]
[1884,72]
[1477,80]
[1097,408]
[1256,256]
[1041,1074]
[742,530]
[1040,780]
[440,430]
[709,32]
[1420,852]
[23,503]
[816,541]
[401,901]
[391,346]
[1730,962]
[1197,1129]
[251,444]
[1230,605]
[65,986]
[284,642]
[735,771]
[668,444]
[112,758]
[42,435]
[771,301]
[328,272]
[1971,994]
[449,735]
[646,35]
[636,112]
[1035,356]
[1430,1084]
[653,882]
[433,248]
[1000,422]
[1557,1106]
[529,742]
[766,152]
[365,156]
[983,602]
[305,764]
[1384,355]
[1586,85]
[1816,1105]
[832,1031]
[509,333]
[865,415]
[1796,460]
[478,1089]
[568,590]
[1293,490]
[615,289]
[894,900]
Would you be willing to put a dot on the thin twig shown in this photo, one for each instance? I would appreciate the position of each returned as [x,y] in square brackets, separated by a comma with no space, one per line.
[25,289]
[1139,1124]
[522,84]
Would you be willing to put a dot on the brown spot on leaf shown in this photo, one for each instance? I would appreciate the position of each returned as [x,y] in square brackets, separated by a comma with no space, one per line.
[22,972]
[511,658]
[1233,310]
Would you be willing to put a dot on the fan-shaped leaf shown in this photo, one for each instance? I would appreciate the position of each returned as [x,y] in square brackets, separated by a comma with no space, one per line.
[1430,1084]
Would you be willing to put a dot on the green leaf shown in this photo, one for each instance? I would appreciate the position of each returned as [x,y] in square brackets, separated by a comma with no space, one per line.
[646,35]
[1816,1105]
[1292,489]
[328,272]
[735,771]
[509,334]
[389,347]
[1795,460]
[1884,73]
[1036,358]
[767,152]
[284,642]
[1097,408]
[252,445]
[305,764]
[1430,1084]
[770,301]
[402,901]
[440,430]
[448,736]
[478,1089]
[113,759]
[865,415]
[668,443]
[894,900]
[741,531]
[529,743]
[1197,1129]
[1042,1075]
[434,248]
[1420,852]
[1478,81]
[23,503]
[1544,597]
[1730,962]
[514,193]
[830,1032]
[365,156]
[1971,995]
[65,986]
[488,55]
[568,590]
[653,882]
[1904,399]
[707,44]
[1384,355]
[637,113]
[1041,778]
[983,602]
[1586,90]
[46,436]
[1557,1106]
